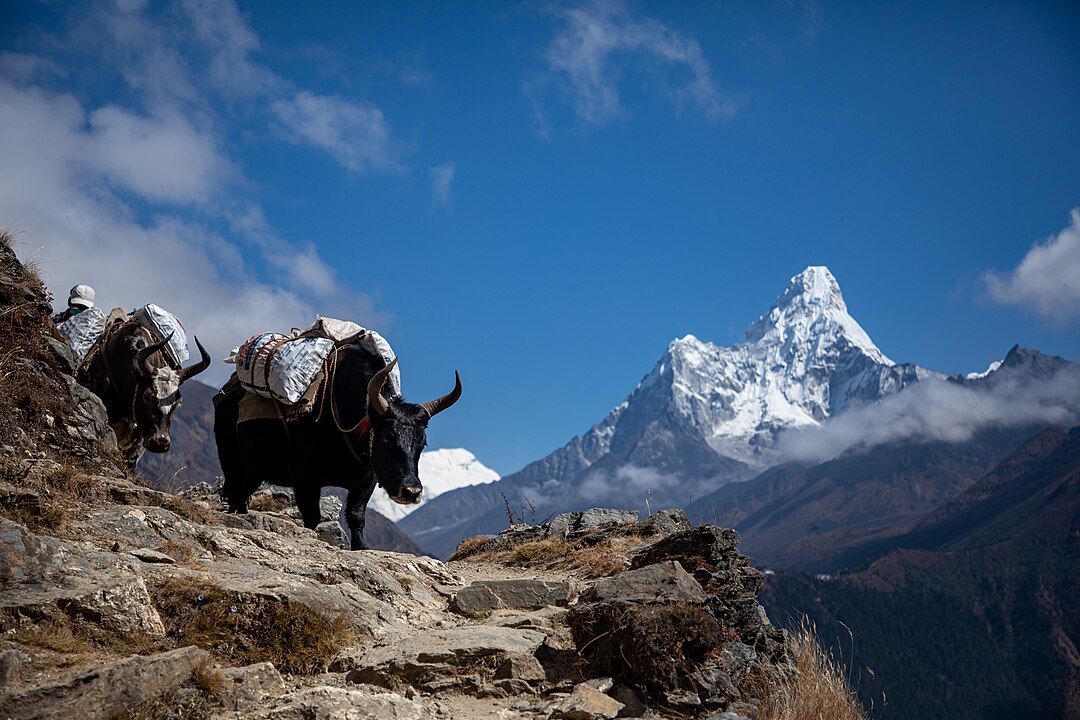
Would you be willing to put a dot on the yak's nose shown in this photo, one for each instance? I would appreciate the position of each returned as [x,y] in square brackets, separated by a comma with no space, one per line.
[158,444]
[410,494]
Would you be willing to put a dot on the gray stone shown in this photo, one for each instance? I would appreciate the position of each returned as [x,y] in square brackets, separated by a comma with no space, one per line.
[331,533]
[664,582]
[65,356]
[109,690]
[246,687]
[665,522]
[483,596]
[330,703]
[11,662]
[88,421]
[152,556]
[728,716]
[587,703]
[579,522]
[455,659]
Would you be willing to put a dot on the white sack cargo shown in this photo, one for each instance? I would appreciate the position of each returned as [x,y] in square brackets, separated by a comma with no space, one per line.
[161,323]
[346,332]
[82,331]
[279,366]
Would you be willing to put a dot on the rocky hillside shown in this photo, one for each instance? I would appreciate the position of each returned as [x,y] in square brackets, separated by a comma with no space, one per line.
[993,574]
[121,600]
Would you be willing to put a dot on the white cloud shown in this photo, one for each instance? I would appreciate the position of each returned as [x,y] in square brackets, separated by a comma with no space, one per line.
[628,481]
[936,410]
[442,176]
[354,133]
[159,158]
[138,196]
[221,28]
[596,36]
[1047,280]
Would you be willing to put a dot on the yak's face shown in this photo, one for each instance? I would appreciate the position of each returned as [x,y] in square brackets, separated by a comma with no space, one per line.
[157,396]
[399,436]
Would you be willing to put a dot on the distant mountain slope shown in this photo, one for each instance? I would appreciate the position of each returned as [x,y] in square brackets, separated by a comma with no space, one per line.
[981,621]
[833,515]
[704,416]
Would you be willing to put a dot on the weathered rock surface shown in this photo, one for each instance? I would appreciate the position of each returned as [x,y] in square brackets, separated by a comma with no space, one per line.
[107,691]
[477,659]
[246,687]
[330,703]
[484,596]
[587,703]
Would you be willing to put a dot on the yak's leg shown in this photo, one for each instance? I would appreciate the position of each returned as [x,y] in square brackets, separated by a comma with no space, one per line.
[249,453]
[307,501]
[355,507]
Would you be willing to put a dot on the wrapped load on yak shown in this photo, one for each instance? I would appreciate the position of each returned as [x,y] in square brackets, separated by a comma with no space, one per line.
[135,366]
[320,408]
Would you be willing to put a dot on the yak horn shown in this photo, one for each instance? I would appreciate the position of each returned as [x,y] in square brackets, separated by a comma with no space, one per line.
[435,407]
[143,355]
[190,372]
[374,389]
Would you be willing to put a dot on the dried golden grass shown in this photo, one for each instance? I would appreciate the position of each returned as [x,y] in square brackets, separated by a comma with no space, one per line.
[820,689]
[241,631]
[604,559]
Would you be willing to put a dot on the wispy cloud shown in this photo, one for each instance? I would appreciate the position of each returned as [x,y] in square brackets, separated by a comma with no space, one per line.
[599,38]
[354,133]
[140,193]
[1047,280]
[442,176]
[937,410]
[628,481]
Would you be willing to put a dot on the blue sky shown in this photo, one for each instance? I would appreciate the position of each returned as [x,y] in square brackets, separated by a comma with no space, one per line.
[543,195]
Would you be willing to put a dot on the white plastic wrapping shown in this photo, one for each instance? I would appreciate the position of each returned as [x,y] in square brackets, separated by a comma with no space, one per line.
[82,331]
[279,366]
[161,323]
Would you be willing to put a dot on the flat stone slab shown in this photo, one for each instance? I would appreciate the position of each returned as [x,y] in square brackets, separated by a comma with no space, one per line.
[483,596]
[109,690]
[664,582]
[331,703]
[587,703]
[465,659]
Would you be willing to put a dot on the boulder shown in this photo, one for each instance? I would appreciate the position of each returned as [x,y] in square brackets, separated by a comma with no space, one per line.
[107,691]
[246,687]
[473,659]
[483,596]
[574,523]
[664,582]
[587,703]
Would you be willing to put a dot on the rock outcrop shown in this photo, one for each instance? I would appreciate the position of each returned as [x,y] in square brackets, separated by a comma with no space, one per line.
[122,600]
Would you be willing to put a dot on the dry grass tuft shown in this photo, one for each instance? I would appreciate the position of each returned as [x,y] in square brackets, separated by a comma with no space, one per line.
[55,635]
[245,630]
[819,690]
[604,559]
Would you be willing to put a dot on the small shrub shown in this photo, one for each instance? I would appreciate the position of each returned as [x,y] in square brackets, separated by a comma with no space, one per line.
[468,547]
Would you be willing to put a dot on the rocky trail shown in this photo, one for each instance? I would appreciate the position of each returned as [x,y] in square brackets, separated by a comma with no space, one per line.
[121,601]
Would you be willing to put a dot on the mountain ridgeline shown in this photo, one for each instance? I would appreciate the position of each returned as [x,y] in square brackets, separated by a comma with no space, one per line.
[706,418]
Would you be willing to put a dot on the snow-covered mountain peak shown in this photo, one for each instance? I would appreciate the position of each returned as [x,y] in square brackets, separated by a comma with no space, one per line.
[812,309]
